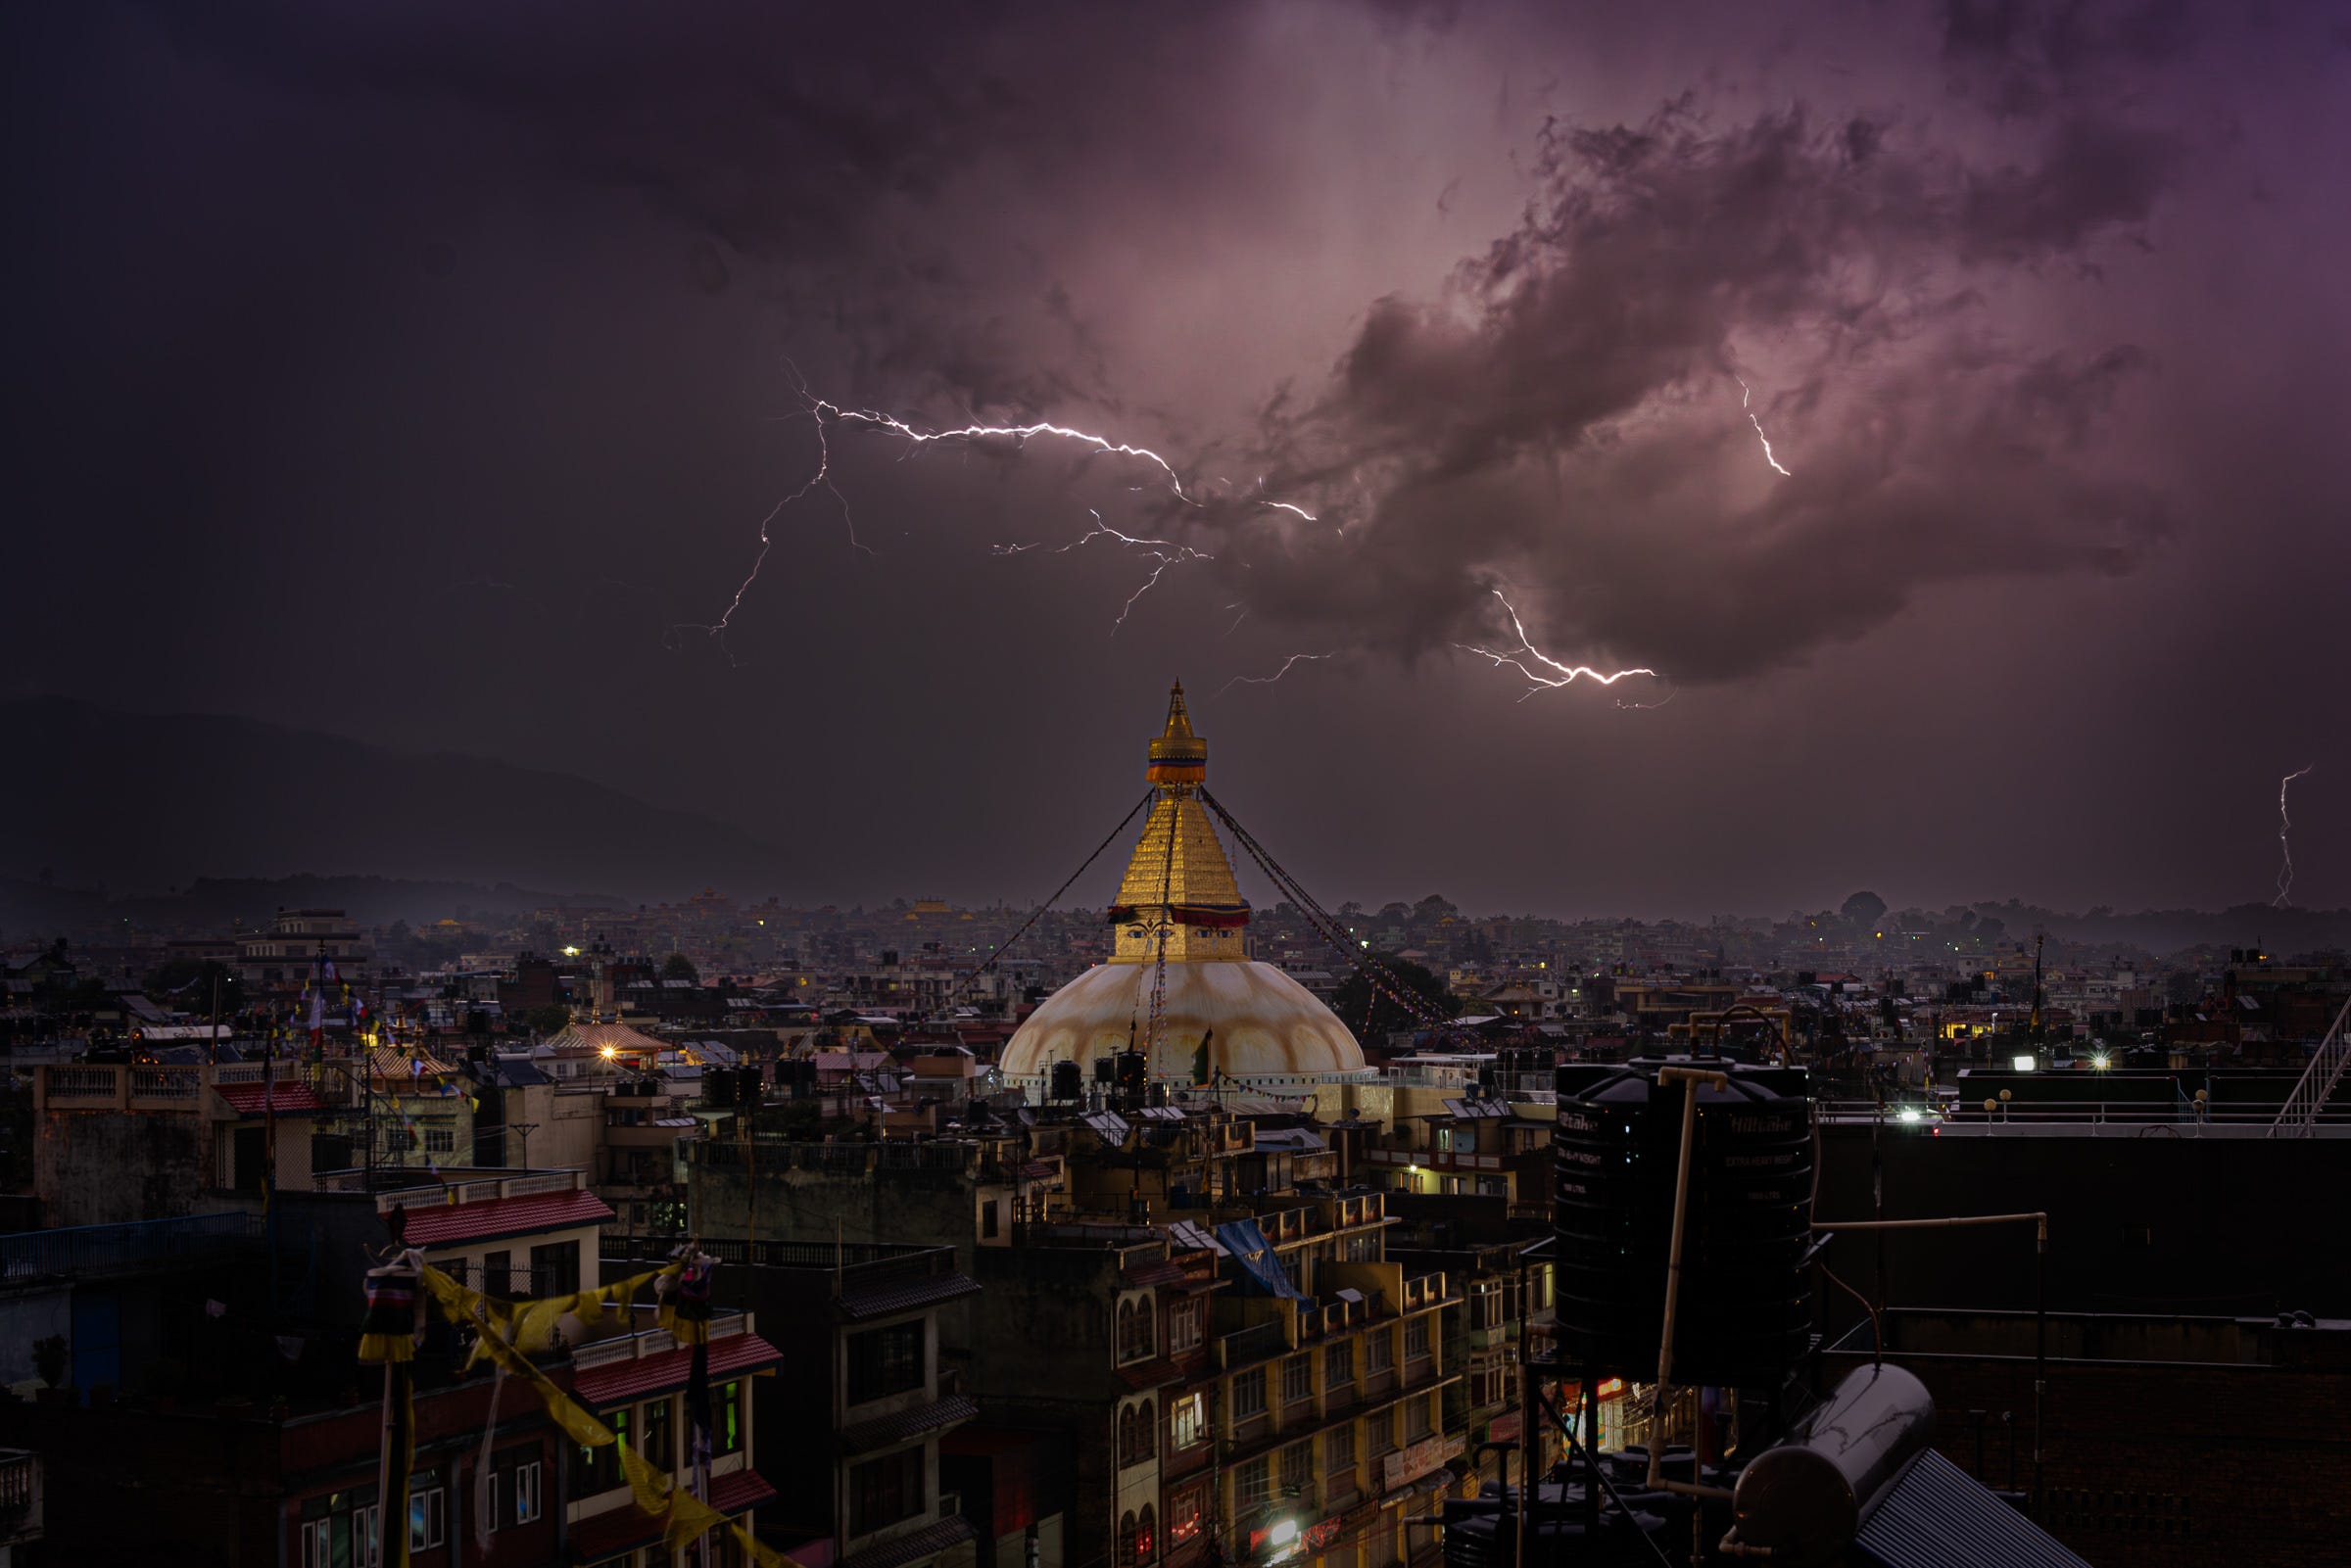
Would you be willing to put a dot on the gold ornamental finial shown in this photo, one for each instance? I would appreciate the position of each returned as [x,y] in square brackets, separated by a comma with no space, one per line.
[1178,756]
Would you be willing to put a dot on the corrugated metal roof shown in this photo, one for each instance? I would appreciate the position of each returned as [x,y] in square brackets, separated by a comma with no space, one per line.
[1938,1516]
[618,1382]
[904,1295]
[928,1541]
[887,1431]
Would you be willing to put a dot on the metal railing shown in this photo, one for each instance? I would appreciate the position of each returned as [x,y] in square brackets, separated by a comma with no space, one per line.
[1970,1115]
[2305,1106]
[19,1483]
[84,1251]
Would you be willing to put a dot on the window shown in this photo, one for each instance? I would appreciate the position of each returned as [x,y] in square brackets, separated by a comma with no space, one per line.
[1416,1423]
[885,1361]
[659,1444]
[1338,1368]
[1252,1484]
[1338,1455]
[529,1499]
[1296,1379]
[1126,1540]
[1416,1338]
[555,1267]
[1183,1327]
[726,1420]
[367,1541]
[1146,1535]
[440,1140]
[885,1491]
[1138,1333]
[987,1220]
[497,1275]
[1139,1433]
[1187,1514]
[1379,1351]
[1297,1468]
[1380,1428]
[1188,1415]
[426,1525]
[1248,1393]
[597,1469]
[1485,1304]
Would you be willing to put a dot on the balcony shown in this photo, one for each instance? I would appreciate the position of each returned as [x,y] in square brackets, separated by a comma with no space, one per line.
[154,1087]
[86,1252]
[20,1496]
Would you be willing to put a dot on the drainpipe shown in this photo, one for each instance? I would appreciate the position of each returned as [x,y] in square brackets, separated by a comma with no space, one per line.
[1691,1079]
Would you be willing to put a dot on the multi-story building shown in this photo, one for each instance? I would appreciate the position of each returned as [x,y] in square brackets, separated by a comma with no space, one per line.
[866,1397]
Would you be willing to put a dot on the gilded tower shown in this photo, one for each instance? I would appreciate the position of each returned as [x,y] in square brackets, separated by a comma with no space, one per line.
[1179,883]
[1223,1015]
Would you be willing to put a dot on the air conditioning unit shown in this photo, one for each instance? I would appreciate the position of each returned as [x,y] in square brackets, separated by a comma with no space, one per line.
[950,1505]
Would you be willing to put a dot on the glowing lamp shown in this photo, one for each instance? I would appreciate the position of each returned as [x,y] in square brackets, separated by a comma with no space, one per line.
[1284,1531]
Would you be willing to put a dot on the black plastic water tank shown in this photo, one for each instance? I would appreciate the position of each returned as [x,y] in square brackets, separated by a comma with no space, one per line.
[1069,1080]
[718,1086]
[754,1087]
[1744,1313]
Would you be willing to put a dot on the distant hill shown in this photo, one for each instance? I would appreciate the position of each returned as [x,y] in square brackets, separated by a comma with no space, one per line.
[141,803]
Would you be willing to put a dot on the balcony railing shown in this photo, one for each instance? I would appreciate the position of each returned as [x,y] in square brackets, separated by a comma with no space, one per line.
[86,1250]
[20,1486]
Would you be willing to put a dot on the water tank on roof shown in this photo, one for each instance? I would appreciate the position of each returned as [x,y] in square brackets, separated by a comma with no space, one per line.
[718,1087]
[1069,1080]
[1744,1313]
[754,1087]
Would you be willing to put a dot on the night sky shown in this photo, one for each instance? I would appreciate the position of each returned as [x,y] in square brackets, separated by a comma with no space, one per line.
[423,373]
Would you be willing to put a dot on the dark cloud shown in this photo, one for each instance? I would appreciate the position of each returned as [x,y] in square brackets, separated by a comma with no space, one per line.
[1566,420]
[428,366]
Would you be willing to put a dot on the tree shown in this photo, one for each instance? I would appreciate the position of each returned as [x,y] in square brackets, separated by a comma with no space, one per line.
[553,1018]
[1372,1014]
[680,968]
[1864,909]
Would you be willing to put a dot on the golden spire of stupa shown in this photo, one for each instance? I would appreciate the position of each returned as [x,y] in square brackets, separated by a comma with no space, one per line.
[1179,873]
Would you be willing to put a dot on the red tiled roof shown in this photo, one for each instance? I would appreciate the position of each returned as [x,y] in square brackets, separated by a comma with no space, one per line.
[628,1527]
[618,1382]
[609,1535]
[745,1489]
[430,1225]
[292,1099]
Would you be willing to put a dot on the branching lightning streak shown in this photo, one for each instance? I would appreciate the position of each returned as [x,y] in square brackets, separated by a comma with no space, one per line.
[1166,551]
[1268,679]
[820,408]
[1744,398]
[1568,674]
[2285,848]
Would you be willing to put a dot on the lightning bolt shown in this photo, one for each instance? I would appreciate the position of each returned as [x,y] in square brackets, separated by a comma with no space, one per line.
[2285,848]
[1166,551]
[1268,679]
[1744,398]
[822,410]
[1103,445]
[1566,673]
